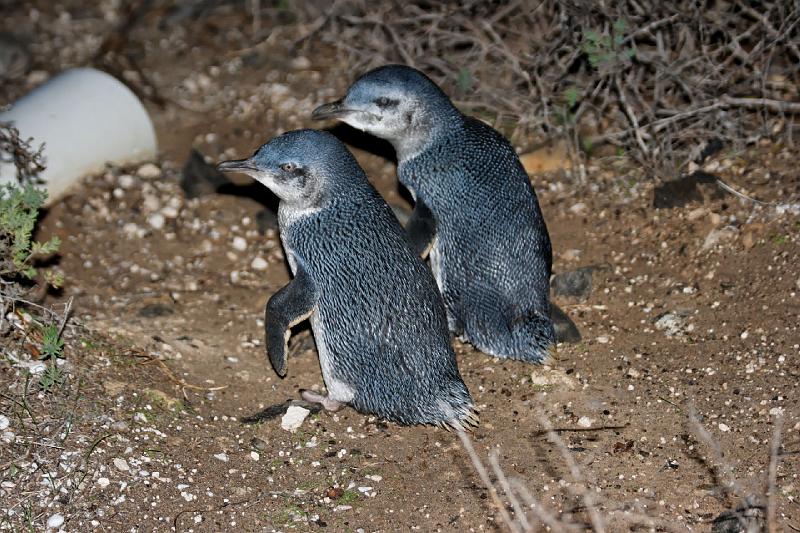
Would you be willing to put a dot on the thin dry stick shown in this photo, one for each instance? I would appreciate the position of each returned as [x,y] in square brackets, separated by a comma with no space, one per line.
[577,477]
[721,465]
[539,511]
[501,478]
[484,475]
[774,451]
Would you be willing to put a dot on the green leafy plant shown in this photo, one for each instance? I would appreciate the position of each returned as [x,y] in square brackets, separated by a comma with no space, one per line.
[52,343]
[607,50]
[51,378]
[19,210]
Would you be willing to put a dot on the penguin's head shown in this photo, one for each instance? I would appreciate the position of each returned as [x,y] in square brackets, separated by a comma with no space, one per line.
[393,102]
[297,166]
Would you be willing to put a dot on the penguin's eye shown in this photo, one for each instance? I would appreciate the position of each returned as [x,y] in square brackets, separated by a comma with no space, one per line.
[287,167]
[385,102]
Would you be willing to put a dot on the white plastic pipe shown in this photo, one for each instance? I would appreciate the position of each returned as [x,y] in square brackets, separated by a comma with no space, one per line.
[85,118]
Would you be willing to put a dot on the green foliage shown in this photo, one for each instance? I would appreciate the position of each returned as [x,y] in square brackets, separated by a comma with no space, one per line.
[52,343]
[348,496]
[607,50]
[51,378]
[464,81]
[19,210]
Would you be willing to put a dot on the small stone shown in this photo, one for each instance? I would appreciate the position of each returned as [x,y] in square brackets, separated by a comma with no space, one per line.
[156,220]
[571,255]
[575,283]
[696,214]
[148,171]
[603,339]
[55,521]
[578,208]
[724,427]
[126,181]
[151,203]
[258,444]
[121,464]
[239,243]
[301,63]
[717,236]
[585,422]
[259,263]
[120,426]
[131,230]
[222,457]
[4,422]
[294,417]
[254,455]
[170,212]
[103,482]
[670,323]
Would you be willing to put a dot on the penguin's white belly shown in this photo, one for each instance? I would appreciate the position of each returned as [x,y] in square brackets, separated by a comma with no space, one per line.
[337,390]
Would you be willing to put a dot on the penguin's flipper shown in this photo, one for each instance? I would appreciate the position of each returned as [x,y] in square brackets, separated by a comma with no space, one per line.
[420,229]
[289,306]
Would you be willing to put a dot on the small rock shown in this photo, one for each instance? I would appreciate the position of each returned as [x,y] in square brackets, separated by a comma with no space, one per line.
[55,521]
[300,63]
[221,456]
[155,310]
[126,181]
[575,283]
[103,482]
[254,455]
[578,208]
[259,263]
[585,422]
[696,214]
[239,243]
[294,417]
[571,255]
[120,426]
[718,236]
[151,203]
[603,339]
[131,230]
[671,324]
[156,220]
[258,444]
[724,427]
[121,464]
[4,422]
[148,171]
[170,212]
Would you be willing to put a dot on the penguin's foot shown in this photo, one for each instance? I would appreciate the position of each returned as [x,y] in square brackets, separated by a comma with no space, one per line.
[323,399]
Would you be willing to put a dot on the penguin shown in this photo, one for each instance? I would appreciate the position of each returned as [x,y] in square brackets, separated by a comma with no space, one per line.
[377,318]
[476,213]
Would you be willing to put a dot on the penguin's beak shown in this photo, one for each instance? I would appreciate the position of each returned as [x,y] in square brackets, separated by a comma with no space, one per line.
[330,110]
[245,166]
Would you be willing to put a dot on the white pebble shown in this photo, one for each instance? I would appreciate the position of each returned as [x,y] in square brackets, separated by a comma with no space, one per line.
[156,220]
[259,263]
[148,171]
[724,427]
[55,521]
[103,482]
[239,244]
[585,422]
[294,417]
[4,422]
[254,455]
[126,181]
[222,457]
[121,464]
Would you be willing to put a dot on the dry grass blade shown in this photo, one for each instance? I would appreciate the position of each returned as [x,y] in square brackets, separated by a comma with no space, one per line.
[583,491]
[171,375]
[501,478]
[487,482]
[774,454]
